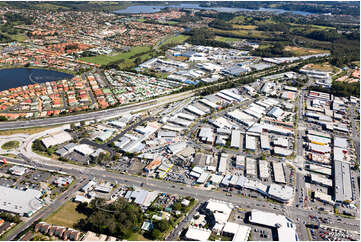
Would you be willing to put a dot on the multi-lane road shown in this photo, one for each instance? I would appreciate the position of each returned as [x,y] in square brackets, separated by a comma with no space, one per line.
[162,186]
[113,112]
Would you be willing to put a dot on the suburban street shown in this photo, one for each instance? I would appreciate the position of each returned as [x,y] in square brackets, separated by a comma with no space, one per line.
[47,210]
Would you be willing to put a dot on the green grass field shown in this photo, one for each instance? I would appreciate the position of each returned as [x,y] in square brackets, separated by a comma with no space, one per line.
[246,27]
[175,40]
[26,131]
[66,215]
[137,237]
[12,144]
[227,39]
[105,59]
[16,37]
[300,51]
[240,33]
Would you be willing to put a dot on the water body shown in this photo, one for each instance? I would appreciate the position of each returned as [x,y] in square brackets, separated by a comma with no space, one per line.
[156,8]
[17,77]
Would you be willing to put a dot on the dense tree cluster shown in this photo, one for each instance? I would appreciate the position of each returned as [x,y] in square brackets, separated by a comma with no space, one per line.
[37,145]
[342,89]
[324,35]
[204,36]
[279,27]
[273,51]
[220,24]
[10,218]
[15,17]
[120,218]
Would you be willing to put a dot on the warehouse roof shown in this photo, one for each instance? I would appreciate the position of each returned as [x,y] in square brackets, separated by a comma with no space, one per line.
[55,139]
[19,201]
[265,144]
[198,234]
[322,180]
[282,151]
[251,167]
[278,172]
[275,112]
[240,232]
[236,139]
[286,230]
[343,189]
[263,169]
[250,142]
[340,142]
[283,193]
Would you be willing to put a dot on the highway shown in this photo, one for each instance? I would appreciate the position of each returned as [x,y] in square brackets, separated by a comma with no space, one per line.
[113,112]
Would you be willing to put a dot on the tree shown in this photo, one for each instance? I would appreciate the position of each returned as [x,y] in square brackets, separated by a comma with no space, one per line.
[3,118]
[119,219]
[162,225]
[156,234]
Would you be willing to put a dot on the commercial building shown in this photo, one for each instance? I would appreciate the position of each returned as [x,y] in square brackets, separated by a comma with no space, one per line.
[278,172]
[18,170]
[141,197]
[241,117]
[251,142]
[319,169]
[264,173]
[57,138]
[320,180]
[206,135]
[236,139]
[323,197]
[222,163]
[342,181]
[22,202]
[220,211]
[275,112]
[282,151]
[318,140]
[265,143]
[340,142]
[280,193]
[286,229]
[84,149]
[251,167]
[236,231]
[197,234]
[240,162]
[195,110]
[281,142]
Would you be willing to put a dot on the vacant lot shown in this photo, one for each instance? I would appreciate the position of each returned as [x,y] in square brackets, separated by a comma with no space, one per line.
[299,51]
[106,59]
[322,67]
[66,215]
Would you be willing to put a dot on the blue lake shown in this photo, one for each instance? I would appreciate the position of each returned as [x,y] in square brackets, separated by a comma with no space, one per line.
[16,77]
[157,8]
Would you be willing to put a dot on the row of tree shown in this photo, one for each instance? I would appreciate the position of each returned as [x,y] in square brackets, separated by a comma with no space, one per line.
[342,89]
